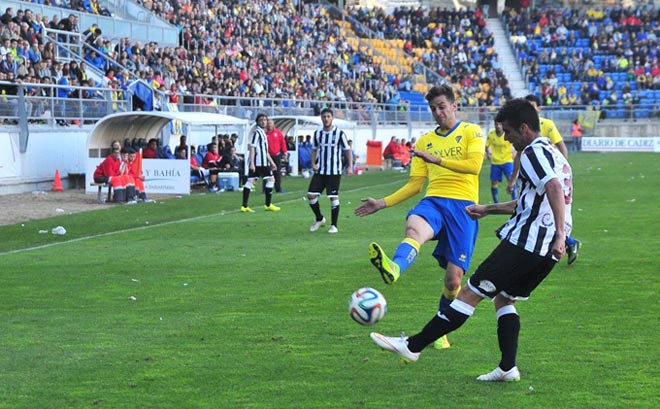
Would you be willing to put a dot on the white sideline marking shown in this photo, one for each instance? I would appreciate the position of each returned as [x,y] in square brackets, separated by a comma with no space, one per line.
[149,226]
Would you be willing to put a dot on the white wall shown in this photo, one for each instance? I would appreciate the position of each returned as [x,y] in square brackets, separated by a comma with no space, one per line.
[48,150]
[65,149]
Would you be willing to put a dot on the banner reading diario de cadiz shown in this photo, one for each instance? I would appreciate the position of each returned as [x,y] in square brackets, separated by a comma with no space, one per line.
[613,144]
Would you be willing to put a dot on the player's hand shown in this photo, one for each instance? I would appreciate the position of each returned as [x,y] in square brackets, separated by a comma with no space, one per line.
[252,168]
[315,168]
[349,172]
[559,246]
[510,187]
[427,157]
[369,206]
[476,211]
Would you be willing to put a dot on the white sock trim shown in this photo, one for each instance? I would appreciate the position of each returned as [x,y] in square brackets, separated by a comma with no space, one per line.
[462,307]
[507,309]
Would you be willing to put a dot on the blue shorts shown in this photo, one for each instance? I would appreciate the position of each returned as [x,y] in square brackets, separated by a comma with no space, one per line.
[454,230]
[496,171]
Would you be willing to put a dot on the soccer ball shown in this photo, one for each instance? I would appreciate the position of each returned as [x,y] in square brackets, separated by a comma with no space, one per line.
[367,306]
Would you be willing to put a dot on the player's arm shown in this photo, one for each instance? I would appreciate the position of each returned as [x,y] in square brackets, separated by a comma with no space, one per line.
[349,159]
[555,195]
[478,211]
[273,166]
[556,139]
[514,174]
[251,150]
[410,189]
[562,148]
[471,165]
[313,158]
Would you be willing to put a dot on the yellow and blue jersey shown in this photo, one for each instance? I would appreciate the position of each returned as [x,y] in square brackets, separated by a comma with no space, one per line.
[549,130]
[500,148]
[462,147]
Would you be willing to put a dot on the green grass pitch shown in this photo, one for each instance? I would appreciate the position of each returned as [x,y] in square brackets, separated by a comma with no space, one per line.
[236,310]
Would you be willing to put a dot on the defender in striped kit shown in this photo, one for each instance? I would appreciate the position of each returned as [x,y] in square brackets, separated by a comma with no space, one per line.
[261,165]
[329,146]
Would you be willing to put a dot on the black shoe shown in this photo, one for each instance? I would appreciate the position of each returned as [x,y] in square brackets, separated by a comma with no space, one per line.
[573,252]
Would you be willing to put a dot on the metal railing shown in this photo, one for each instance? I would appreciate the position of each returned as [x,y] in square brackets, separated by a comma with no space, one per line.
[38,103]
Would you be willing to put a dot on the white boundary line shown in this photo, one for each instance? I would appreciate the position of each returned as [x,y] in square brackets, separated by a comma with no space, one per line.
[139,228]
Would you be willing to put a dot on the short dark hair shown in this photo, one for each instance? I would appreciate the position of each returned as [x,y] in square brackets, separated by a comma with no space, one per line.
[438,90]
[533,98]
[517,112]
[259,116]
[327,110]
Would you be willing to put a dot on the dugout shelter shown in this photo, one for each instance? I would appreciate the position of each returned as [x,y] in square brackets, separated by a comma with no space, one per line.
[162,175]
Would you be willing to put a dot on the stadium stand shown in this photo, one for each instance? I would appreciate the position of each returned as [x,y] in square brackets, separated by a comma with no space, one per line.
[454,44]
[601,57]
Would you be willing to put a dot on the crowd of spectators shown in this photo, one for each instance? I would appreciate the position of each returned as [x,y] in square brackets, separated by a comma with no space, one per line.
[589,56]
[258,49]
[455,44]
[245,49]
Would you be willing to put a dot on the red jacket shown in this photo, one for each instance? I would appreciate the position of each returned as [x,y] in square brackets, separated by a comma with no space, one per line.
[148,153]
[211,158]
[390,149]
[108,168]
[276,142]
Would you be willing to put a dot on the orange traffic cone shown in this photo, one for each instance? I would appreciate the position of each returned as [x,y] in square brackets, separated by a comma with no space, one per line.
[57,184]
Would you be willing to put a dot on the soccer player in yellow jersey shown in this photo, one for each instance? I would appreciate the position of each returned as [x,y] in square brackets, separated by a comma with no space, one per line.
[548,130]
[500,153]
[450,158]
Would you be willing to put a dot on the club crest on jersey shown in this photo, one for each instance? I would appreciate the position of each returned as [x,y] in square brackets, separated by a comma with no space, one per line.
[429,146]
[458,138]
[547,220]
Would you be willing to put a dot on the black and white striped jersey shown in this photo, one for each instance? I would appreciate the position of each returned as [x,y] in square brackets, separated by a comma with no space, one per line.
[532,225]
[260,143]
[330,147]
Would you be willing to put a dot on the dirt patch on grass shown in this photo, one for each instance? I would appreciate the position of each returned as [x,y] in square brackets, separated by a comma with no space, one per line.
[42,204]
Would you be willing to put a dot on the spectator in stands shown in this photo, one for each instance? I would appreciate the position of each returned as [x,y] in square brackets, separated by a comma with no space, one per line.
[92,34]
[63,91]
[7,17]
[151,151]
[9,65]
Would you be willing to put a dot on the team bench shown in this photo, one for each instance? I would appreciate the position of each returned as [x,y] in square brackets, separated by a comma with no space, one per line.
[101,186]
